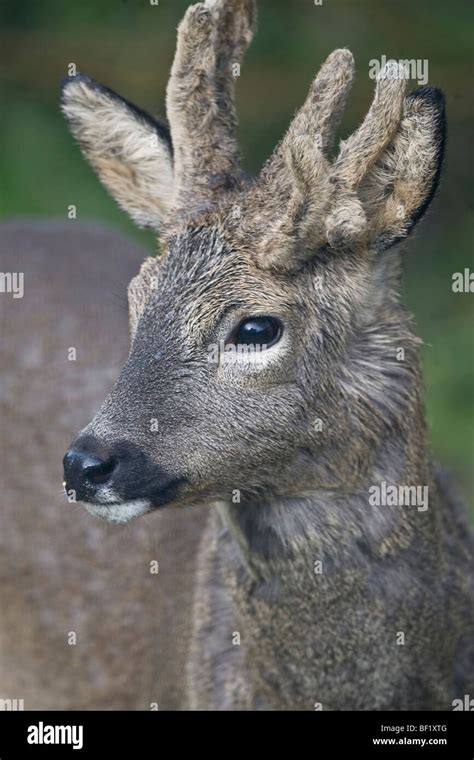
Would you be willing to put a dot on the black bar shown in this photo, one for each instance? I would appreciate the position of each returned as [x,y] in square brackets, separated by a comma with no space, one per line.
[317,734]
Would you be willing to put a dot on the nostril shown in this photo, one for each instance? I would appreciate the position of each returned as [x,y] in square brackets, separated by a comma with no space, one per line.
[86,469]
[99,472]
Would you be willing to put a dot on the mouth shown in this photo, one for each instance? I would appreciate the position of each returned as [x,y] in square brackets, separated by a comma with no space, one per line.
[120,512]
[108,505]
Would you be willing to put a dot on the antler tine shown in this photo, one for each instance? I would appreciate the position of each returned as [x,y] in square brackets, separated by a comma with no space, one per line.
[296,177]
[347,221]
[200,99]
[236,23]
[362,149]
[321,112]
[326,100]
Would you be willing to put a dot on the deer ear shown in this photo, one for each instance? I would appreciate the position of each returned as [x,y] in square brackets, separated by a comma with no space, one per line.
[399,187]
[129,150]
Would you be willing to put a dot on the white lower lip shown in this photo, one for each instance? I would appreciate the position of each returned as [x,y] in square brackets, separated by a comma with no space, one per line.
[119,513]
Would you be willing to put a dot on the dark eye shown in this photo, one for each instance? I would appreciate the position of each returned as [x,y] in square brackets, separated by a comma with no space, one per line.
[257,331]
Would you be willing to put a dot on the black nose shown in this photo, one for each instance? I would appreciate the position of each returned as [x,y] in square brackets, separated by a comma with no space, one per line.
[114,473]
[86,468]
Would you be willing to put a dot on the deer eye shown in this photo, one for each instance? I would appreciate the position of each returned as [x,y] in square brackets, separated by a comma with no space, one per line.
[257,331]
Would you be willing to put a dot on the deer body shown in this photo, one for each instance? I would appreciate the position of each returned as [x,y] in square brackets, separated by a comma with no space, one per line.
[74,596]
[340,601]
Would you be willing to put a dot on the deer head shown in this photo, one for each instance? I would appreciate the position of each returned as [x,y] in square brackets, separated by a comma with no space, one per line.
[264,337]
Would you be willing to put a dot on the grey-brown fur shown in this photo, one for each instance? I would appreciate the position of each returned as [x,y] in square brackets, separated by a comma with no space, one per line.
[331,410]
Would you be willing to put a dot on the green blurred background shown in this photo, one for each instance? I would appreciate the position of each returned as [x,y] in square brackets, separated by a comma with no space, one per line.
[129,44]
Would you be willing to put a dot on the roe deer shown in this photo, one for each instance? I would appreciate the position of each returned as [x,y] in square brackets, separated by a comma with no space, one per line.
[274,373]
[63,577]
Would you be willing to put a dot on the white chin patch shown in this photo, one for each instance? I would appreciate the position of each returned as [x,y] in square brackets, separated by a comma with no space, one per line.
[119,513]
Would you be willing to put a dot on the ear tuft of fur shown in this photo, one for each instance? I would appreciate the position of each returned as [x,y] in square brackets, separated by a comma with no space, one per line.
[130,150]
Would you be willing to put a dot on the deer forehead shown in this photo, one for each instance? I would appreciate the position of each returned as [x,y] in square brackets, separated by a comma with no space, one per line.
[201,276]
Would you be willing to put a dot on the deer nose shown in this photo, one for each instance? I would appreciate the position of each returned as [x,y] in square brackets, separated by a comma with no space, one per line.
[85,471]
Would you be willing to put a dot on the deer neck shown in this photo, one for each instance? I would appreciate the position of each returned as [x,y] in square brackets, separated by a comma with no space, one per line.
[294,563]
[321,518]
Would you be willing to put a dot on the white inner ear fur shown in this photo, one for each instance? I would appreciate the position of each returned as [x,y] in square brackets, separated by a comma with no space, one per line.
[132,160]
